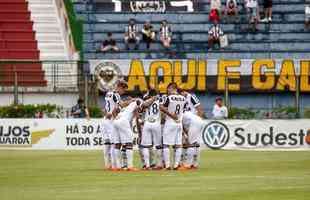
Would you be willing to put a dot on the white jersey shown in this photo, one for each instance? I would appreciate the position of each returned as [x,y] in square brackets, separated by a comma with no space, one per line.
[112,100]
[152,113]
[162,99]
[127,113]
[219,112]
[190,118]
[165,31]
[175,104]
[191,103]
[194,125]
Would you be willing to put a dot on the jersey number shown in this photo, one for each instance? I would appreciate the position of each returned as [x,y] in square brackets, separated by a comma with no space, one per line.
[177,109]
[153,109]
[108,106]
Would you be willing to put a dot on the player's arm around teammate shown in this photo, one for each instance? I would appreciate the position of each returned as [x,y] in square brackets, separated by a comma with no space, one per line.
[173,107]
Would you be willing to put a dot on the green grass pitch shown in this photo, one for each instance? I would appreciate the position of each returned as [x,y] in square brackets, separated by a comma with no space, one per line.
[78,175]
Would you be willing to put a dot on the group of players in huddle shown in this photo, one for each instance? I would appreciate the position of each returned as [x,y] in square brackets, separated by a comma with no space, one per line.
[165,122]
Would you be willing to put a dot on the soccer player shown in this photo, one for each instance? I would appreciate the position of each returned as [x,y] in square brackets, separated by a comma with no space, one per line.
[112,100]
[192,103]
[193,106]
[123,130]
[193,127]
[173,107]
[151,132]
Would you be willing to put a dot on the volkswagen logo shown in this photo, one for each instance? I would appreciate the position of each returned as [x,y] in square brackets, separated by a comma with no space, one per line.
[215,135]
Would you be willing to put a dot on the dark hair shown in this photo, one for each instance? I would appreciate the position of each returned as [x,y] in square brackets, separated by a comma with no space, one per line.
[122,83]
[218,99]
[171,84]
[152,92]
[79,101]
[179,90]
[109,34]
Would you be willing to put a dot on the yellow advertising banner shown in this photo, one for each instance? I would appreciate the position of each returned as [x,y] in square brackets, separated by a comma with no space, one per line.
[260,75]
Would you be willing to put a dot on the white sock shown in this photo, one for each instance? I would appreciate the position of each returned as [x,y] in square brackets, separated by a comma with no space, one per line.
[159,155]
[117,157]
[129,154]
[166,156]
[183,156]
[152,156]
[146,155]
[190,156]
[141,155]
[124,159]
[107,155]
[196,158]
[177,157]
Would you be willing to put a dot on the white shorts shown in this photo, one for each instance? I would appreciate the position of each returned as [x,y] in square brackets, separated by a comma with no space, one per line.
[151,134]
[108,129]
[172,133]
[194,133]
[123,132]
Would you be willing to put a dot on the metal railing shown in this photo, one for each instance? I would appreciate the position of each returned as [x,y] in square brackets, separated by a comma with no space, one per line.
[40,76]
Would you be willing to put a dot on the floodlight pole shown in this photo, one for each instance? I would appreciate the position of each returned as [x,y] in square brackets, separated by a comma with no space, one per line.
[86,88]
[226,94]
[297,95]
[15,86]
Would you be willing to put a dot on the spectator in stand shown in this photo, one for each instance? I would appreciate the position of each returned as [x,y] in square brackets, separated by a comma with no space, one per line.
[231,9]
[148,34]
[215,32]
[215,10]
[219,110]
[252,10]
[80,110]
[109,44]
[165,34]
[268,11]
[131,35]
[307,16]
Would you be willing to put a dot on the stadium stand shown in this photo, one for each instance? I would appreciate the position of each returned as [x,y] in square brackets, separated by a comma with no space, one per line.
[284,37]
[18,42]
[36,31]
[48,30]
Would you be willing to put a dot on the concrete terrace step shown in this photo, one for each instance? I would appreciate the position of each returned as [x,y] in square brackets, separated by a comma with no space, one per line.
[202,55]
[44,18]
[201,46]
[184,18]
[203,5]
[102,27]
[203,35]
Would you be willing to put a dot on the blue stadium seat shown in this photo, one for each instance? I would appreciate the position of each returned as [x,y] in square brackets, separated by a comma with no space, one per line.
[284,37]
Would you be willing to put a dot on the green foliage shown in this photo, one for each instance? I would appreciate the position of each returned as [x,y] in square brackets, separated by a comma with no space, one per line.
[241,113]
[285,112]
[307,113]
[26,111]
[95,112]
[76,26]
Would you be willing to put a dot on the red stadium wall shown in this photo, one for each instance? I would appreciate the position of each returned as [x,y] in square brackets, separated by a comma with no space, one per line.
[18,42]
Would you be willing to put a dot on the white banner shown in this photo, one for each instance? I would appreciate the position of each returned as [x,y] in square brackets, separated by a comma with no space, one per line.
[81,134]
[51,134]
[257,134]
